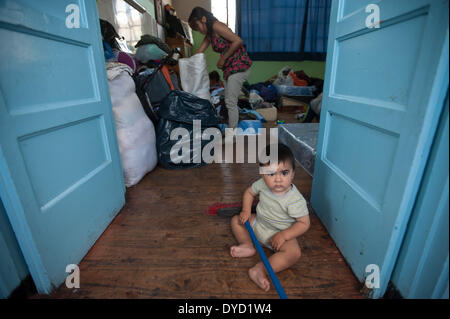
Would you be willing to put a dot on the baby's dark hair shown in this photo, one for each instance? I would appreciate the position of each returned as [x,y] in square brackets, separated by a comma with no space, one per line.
[284,155]
[214,75]
[197,14]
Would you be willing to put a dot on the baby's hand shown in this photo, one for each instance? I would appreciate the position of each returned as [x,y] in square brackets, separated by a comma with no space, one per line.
[244,216]
[277,241]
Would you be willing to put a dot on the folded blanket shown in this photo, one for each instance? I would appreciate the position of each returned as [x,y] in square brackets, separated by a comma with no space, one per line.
[113,69]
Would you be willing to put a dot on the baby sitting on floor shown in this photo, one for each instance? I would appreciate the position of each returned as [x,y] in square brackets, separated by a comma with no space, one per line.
[281,216]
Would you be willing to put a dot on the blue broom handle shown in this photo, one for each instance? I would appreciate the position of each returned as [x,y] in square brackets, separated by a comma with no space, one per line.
[266,262]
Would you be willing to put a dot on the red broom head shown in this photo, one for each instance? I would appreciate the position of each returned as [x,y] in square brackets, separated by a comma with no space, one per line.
[212,210]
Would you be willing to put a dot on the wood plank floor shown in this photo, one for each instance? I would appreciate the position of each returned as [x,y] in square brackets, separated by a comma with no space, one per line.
[162,245]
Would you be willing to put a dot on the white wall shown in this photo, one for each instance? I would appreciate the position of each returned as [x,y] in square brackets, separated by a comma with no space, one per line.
[149,26]
[184,7]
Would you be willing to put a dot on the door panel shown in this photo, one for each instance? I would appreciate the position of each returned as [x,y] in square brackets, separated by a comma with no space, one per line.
[422,267]
[376,125]
[60,173]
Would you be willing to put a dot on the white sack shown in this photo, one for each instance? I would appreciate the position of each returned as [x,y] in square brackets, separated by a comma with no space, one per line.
[316,104]
[194,76]
[135,132]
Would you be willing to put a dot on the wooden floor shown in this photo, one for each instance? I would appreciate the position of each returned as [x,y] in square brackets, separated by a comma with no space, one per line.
[162,245]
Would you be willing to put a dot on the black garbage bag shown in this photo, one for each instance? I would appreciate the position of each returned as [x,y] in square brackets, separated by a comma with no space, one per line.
[178,111]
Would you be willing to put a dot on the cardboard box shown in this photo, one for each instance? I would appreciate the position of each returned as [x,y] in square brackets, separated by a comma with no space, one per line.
[290,105]
[269,113]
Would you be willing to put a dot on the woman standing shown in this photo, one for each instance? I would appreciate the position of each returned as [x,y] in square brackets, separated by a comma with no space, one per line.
[234,60]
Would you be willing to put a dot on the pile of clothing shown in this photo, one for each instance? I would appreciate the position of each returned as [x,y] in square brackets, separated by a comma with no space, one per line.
[148,105]
[288,91]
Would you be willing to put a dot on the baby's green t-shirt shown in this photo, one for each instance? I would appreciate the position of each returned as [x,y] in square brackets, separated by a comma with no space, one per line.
[279,212]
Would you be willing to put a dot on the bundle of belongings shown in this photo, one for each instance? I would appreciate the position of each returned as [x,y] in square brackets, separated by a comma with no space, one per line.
[135,132]
[288,91]
[151,48]
[255,102]
[287,77]
[148,105]
[179,113]
[297,92]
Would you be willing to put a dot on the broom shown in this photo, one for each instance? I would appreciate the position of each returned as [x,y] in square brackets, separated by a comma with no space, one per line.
[229,210]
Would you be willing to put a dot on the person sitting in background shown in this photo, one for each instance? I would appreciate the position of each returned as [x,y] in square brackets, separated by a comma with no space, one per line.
[214,81]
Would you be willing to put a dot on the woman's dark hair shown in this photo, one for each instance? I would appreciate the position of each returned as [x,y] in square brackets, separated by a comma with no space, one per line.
[284,155]
[197,14]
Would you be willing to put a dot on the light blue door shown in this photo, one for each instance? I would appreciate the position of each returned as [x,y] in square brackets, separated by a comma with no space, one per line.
[60,173]
[422,267]
[383,93]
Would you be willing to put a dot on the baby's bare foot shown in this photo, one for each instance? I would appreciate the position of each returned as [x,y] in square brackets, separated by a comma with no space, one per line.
[244,250]
[258,276]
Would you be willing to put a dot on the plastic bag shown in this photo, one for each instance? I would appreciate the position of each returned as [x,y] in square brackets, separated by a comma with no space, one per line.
[194,76]
[135,132]
[147,52]
[249,127]
[254,99]
[154,84]
[178,110]
[283,77]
